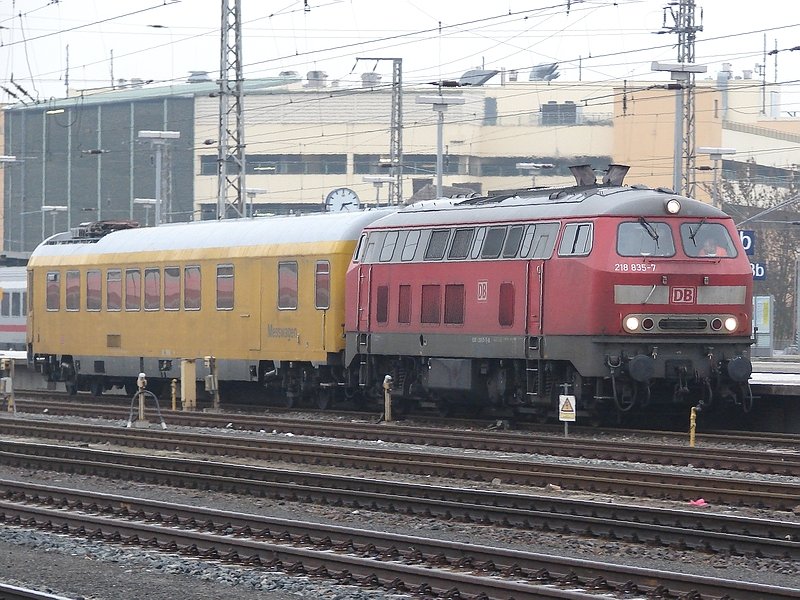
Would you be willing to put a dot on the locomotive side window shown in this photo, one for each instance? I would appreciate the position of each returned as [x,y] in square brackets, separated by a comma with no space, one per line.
[404,304]
[410,247]
[544,241]
[494,242]
[374,242]
[645,238]
[359,247]
[577,240]
[431,304]
[476,245]
[454,304]
[53,291]
[287,285]
[172,288]
[191,288]
[512,241]
[94,295]
[382,304]
[113,289]
[462,240]
[133,289]
[437,244]
[322,285]
[389,244]
[527,241]
[225,287]
[703,239]
[152,289]
[505,315]
[73,290]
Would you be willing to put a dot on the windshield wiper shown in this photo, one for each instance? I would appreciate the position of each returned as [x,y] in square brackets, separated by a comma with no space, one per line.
[692,234]
[651,231]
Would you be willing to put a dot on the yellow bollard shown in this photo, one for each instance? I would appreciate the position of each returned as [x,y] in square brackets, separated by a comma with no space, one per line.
[692,425]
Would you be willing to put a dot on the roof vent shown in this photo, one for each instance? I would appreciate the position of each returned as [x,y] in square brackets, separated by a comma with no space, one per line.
[583,174]
[370,79]
[316,79]
[198,77]
[477,76]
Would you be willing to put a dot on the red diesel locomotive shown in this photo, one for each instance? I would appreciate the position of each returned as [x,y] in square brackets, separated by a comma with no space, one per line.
[625,297]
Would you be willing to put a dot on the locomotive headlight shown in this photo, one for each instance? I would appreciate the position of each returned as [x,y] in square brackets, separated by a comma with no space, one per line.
[673,206]
[631,323]
[731,324]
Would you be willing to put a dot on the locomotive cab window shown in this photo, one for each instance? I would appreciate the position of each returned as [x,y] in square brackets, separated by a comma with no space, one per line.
[410,247]
[539,241]
[389,244]
[645,238]
[707,240]
[577,240]
[53,290]
[225,287]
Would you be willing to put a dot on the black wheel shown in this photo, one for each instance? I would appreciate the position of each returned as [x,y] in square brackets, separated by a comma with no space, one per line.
[131,388]
[288,401]
[96,387]
[72,387]
[324,398]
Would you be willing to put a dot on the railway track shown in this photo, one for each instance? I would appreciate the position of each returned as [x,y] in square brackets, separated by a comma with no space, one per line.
[779,461]
[679,528]
[395,562]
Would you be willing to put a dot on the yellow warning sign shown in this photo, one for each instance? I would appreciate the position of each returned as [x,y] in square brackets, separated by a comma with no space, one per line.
[566,408]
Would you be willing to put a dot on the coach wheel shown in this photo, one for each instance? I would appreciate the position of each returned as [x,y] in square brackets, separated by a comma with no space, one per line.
[324,398]
[288,401]
[96,387]
[131,388]
[72,387]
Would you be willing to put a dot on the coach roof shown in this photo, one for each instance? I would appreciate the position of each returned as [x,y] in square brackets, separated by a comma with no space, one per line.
[231,233]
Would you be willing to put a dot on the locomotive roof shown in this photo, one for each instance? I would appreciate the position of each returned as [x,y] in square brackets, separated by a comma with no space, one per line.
[577,202]
[318,227]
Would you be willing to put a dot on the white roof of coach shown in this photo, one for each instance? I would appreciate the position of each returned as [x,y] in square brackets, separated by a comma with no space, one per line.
[229,233]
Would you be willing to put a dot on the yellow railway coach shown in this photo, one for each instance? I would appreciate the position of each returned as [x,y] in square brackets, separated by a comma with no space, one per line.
[264,297]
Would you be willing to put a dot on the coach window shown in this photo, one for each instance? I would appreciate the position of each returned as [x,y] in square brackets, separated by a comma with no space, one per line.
[192,283]
[382,304]
[437,244]
[410,247]
[454,304]
[431,304]
[374,244]
[322,285]
[172,288]
[5,305]
[225,287]
[152,289]
[113,289]
[404,304]
[476,245]
[389,244]
[462,240]
[506,309]
[133,289]
[577,240]
[512,241]
[494,242]
[73,290]
[53,292]
[287,285]
[94,296]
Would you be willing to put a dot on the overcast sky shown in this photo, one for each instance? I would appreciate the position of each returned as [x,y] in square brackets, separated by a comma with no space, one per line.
[594,40]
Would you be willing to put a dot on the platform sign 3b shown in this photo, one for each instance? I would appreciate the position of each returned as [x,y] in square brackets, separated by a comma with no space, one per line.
[566,408]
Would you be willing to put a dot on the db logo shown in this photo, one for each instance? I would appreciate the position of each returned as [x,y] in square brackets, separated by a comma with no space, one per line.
[683,295]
